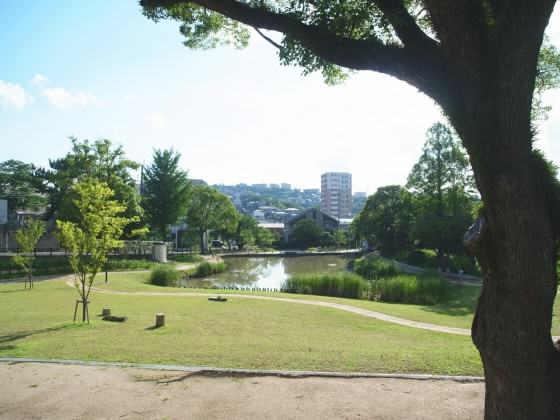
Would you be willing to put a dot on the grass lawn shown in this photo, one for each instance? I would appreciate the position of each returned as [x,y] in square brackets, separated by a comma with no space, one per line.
[239,333]
[457,311]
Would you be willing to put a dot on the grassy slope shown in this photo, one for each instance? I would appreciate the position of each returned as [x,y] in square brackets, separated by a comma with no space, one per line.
[239,333]
[457,311]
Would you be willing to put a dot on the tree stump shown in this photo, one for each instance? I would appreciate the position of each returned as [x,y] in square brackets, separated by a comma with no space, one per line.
[160,320]
[106,311]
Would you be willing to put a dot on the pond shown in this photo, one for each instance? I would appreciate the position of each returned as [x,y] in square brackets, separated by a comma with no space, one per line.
[270,272]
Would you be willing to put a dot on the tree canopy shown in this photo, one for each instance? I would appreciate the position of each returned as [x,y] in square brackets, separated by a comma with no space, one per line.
[99,160]
[443,182]
[306,233]
[210,209]
[96,230]
[165,191]
[387,219]
[19,185]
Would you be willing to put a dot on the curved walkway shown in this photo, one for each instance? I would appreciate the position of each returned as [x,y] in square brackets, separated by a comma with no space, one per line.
[339,306]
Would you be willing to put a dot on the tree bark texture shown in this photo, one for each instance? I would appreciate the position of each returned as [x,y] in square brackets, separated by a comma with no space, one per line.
[517,252]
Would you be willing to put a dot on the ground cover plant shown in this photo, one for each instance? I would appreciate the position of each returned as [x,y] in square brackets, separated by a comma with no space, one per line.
[242,333]
[339,284]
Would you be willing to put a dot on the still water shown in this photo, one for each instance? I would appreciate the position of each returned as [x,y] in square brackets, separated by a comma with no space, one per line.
[270,272]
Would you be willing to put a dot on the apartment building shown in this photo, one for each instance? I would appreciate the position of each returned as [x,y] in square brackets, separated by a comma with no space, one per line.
[336,194]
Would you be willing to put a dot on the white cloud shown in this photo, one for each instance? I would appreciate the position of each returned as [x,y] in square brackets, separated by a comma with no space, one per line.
[61,98]
[157,121]
[13,95]
[40,80]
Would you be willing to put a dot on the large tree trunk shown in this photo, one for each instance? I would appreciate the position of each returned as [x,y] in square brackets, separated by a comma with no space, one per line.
[512,324]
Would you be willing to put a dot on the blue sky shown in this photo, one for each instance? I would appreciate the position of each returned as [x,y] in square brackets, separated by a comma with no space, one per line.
[99,69]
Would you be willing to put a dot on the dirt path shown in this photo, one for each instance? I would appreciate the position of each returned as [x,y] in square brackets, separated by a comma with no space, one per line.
[68,392]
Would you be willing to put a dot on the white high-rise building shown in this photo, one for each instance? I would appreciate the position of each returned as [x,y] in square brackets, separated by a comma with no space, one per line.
[336,194]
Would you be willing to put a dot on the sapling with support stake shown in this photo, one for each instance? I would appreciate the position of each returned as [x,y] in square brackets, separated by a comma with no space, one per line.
[92,235]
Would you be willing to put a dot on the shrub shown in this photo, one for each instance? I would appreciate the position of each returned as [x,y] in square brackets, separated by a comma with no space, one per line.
[185,258]
[164,275]
[373,267]
[205,269]
[427,289]
[115,265]
[342,284]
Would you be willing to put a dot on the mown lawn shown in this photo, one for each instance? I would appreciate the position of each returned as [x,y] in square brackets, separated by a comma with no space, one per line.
[240,333]
[457,311]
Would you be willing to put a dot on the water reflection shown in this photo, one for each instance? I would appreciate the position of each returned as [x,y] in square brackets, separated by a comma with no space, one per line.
[271,272]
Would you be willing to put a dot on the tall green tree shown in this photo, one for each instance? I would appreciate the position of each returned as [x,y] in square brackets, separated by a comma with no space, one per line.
[165,191]
[246,230]
[479,60]
[210,209]
[20,185]
[96,231]
[306,233]
[27,238]
[100,160]
[443,181]
[387,219]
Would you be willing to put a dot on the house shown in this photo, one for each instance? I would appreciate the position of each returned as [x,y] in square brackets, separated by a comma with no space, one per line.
[325,221]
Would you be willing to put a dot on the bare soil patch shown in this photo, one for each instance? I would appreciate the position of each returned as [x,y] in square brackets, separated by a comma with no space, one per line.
[46,391]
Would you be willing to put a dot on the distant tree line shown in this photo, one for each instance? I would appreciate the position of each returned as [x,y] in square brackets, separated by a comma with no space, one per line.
[163,197]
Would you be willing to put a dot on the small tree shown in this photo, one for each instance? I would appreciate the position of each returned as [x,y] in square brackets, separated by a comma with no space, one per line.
[27,239]
[95,233]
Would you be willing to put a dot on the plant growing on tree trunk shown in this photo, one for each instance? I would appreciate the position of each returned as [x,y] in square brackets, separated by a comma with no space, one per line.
[479,60]
[95,233]
[27,238]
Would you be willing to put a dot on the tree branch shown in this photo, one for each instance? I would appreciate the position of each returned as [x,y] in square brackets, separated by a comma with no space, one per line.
[405,25]
[268,39]
[409,66]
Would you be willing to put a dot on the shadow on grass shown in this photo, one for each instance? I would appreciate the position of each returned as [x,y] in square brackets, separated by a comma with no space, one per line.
[462,302]
[14,291]
[153,327]
[7,338]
